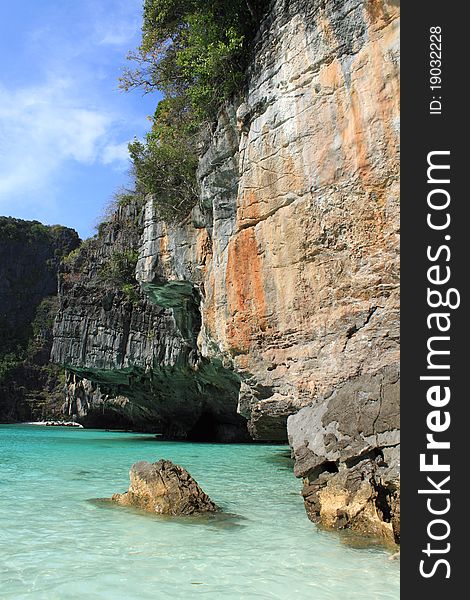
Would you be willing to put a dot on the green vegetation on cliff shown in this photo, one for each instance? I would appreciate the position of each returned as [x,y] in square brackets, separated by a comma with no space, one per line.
[196,53]
[119,272]
[30,253]
[109,258]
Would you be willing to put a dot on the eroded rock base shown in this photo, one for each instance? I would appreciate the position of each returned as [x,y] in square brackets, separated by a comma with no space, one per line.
[346,449]
[356,499]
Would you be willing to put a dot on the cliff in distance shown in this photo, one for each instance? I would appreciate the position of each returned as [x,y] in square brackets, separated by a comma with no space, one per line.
[30,254]
[279,295]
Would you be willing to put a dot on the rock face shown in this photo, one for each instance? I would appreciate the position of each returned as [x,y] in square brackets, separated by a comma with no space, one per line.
[131,361]
[166,489]
[29,259]
[285,281]
[346,448]
[294,247]
[280,293]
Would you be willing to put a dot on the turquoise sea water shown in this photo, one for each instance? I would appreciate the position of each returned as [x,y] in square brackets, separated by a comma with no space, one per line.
[57,545]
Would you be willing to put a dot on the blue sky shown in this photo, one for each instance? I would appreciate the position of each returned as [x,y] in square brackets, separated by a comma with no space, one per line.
[64,125]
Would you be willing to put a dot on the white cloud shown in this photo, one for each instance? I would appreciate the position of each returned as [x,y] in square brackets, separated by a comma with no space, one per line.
[63,124]
[115,153]
[42,127]
[118,36]
[117,23]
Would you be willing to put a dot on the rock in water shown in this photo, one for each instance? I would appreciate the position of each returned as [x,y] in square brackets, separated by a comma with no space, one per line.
[164,488]
[346,449]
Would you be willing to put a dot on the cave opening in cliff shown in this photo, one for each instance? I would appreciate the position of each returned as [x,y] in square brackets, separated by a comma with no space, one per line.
[204,430]
[107,419]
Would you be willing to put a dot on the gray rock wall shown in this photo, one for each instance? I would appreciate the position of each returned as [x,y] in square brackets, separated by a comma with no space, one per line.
[347,449]
[133,356]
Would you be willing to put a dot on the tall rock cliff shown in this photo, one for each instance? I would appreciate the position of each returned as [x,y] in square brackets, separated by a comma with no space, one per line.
[281,291]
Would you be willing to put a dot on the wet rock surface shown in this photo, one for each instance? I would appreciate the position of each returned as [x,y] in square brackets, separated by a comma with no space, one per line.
[165,489]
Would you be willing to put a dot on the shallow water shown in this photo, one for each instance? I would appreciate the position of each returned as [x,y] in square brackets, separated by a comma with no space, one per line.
[57,545]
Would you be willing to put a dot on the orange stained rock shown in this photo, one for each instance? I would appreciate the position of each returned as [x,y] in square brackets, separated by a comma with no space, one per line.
[380,12]
[203,248]
[363,110]
[246,304]
[164,250]
[248,206]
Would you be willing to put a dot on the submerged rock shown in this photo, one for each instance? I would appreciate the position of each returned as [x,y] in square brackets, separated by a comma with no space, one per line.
[166,489]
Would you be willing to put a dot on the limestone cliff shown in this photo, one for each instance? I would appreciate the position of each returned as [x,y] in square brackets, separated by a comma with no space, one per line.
[129,356]
[281,291]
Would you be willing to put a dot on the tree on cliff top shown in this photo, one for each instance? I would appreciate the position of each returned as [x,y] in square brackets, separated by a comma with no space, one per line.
[194,49]
[195,52]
